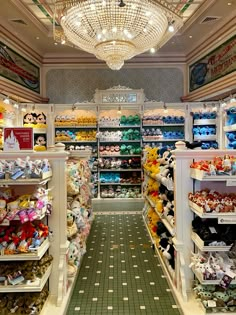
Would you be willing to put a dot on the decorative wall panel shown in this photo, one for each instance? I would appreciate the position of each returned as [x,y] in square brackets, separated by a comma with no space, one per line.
[70,86]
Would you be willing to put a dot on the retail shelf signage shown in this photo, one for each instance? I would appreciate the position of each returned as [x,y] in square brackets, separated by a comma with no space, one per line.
[16,68]
[216,64]
[18,139]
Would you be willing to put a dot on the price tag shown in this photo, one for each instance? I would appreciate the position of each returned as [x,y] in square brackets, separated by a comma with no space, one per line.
[211,303]
[212,229]
[231,182]
[227,220]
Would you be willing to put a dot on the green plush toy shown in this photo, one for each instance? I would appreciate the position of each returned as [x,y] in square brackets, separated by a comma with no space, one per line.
[136,119]
[123,120]
[130,120]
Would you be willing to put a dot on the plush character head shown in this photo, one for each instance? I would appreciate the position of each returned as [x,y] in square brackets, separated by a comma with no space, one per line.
[40,143]
[29,118]
[41,118]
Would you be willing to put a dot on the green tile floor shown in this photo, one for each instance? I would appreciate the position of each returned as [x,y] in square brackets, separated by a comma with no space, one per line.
[120,273]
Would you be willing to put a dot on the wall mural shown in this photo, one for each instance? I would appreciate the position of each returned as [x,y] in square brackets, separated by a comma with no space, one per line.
[16,68]
[70,86]
[218,63]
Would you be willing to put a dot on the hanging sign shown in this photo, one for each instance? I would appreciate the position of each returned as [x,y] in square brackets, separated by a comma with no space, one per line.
[214,65]
[16,68]
[18,139]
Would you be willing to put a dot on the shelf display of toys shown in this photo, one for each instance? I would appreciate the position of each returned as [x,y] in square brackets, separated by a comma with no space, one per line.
[211,201]
[205,125]
[24,238]
[116,163]
[24,273]
[70,135]
[215,298]
[160,125]
[79,211]
[78,117]
[159,211]
[123,149]
[123,120]
[118,135]
[219,166]
[25,208]
[23,169]
[35,119]
[118,191]
[230,125]
[23,303]
[124,178]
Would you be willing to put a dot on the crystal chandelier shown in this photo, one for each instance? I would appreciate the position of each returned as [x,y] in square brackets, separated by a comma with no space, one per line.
[112,30]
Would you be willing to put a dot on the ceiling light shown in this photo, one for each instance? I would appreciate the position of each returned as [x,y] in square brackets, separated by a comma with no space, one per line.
[165,109]
[153,18]
[190,36]
[23,109]
[152,50]
[119,110]
[37,37]
[229,3]
[171,28]
[6,100]
[16,105]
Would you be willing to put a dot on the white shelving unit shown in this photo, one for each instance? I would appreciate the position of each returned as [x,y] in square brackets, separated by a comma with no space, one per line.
[185,239]
[56,273]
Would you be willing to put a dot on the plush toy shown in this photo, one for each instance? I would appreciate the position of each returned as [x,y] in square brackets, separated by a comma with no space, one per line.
[29,119]
[231,116]
[40,143]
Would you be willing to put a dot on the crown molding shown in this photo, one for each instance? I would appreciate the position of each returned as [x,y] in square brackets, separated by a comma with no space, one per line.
[226,84]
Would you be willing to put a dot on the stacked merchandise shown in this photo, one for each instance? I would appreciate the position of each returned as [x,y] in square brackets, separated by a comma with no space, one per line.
[205,127]
[163,127]
[159,209]
[79,212]
[24,235]
[213,233]
[230,126]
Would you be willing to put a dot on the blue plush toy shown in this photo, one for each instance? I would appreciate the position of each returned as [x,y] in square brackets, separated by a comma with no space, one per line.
[231,116]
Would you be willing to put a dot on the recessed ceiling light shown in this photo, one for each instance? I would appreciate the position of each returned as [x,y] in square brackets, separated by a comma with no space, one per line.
[55,43]
[229,3]
[190,36]
[152,50]
[37,37]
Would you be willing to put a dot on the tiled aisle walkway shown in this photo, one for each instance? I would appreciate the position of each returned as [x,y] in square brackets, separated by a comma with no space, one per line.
[119,273]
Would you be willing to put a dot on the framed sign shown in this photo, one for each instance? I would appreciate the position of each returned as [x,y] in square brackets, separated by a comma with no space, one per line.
[18,139]
[218,63]
[16,68]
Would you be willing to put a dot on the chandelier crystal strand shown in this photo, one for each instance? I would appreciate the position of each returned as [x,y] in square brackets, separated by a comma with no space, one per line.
[113,33]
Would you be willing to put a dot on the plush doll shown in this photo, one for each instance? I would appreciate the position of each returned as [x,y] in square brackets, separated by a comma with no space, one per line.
[41,120]
[40,143]
[29,120]
[231,116]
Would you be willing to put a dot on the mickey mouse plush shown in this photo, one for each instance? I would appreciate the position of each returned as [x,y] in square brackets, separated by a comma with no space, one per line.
[29,119]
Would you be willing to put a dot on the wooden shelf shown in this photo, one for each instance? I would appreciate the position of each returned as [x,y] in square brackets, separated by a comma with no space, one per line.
[27,181]
[35,286]
[202,281]
[230,128]
[202,176]
[163,125]
[120,184]
[74,141]
[206,248]
[118,141]
[162,140]
[127,126]
[120,170]
[37,254]
[76,127]
[204,122]
[205,138]
[221,216]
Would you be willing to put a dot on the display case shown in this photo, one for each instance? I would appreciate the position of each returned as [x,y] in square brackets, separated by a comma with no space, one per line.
[119,145]
[163,124]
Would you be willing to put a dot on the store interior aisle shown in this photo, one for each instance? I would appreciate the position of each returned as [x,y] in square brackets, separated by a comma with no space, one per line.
[120,273]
